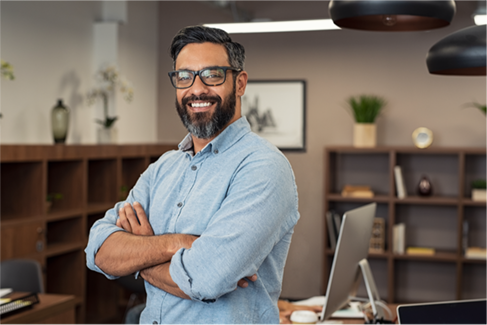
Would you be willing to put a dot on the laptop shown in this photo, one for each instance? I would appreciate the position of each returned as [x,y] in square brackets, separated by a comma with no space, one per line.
[472,311]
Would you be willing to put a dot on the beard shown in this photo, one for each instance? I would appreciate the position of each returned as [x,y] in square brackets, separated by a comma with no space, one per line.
[205,125]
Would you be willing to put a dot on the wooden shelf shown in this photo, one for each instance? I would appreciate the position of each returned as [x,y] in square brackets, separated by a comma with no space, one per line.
[435,221]
[89,178]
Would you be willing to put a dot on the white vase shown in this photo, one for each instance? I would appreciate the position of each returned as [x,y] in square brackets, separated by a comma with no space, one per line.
[107,135]
[364,135]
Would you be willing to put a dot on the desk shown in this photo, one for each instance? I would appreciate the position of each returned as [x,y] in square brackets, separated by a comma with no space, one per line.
[392,307]
[51,309]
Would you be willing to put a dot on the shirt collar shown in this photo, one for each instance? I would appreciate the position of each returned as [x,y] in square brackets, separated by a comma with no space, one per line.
[223,141]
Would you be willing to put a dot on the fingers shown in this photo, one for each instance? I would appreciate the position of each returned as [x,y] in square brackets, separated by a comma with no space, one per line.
[135,222]
[123,220]
[243,283]
[140,213]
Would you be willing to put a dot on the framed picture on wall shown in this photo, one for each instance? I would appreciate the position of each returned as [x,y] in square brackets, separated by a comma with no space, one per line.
[276,110]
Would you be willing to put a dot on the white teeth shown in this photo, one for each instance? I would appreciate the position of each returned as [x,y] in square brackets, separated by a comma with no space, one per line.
[200,104]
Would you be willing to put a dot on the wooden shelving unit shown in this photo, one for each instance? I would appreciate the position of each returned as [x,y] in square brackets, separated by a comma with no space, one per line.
[89,178]
[435,221]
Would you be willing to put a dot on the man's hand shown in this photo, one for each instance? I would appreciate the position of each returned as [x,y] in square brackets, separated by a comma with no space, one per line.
[243,283]
[135,224]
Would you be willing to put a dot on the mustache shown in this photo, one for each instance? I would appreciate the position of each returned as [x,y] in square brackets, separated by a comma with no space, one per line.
[191,98]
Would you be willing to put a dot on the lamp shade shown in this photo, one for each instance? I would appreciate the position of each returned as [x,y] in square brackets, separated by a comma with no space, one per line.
[461,53]
[392,15]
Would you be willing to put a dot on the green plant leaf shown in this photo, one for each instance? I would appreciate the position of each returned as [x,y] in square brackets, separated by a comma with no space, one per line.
[108,122]
[481,107]
[479,183]
[366,108]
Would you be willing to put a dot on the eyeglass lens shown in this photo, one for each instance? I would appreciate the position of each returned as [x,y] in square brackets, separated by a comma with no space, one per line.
[210,77]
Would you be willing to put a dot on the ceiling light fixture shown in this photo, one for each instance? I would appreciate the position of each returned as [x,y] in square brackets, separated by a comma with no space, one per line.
[277,26]
[392,15]
[480,14]
[462,53]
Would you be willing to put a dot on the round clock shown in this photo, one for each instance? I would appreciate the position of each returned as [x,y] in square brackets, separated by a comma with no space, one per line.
[422,137]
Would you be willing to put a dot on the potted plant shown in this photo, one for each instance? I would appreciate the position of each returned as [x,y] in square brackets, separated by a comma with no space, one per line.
[365,110]
[479,192]
[7,72]
[110,80]
[50,198]
[482,108]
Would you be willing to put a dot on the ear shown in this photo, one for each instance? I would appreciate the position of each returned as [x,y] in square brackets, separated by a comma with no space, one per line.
[241,83]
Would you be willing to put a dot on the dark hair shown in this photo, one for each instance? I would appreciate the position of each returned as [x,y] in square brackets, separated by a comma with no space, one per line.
[202,34]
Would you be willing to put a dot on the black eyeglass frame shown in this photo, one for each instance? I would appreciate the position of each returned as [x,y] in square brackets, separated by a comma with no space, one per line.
[197,73]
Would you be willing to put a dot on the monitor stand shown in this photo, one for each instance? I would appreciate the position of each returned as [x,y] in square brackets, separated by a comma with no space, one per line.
[372,291]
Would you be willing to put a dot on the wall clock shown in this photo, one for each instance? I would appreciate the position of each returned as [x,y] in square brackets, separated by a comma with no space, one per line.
[422,137]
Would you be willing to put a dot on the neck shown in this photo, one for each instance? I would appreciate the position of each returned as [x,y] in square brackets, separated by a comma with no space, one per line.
[199,144]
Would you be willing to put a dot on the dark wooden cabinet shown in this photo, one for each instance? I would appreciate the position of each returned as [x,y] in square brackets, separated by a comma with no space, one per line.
[435,221]
[83,182]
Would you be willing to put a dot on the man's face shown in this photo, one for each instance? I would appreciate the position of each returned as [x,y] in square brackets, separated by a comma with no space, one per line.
[206,110]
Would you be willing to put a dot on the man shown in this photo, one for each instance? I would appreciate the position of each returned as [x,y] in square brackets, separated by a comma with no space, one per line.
[219,210]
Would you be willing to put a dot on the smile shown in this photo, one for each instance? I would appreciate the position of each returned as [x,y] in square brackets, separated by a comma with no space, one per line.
[199,105]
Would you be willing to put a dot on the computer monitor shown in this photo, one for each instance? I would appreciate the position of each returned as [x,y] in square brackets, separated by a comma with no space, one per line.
[352,248]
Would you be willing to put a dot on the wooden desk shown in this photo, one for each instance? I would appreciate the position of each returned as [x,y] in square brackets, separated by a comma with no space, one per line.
[51,309]
[392,307]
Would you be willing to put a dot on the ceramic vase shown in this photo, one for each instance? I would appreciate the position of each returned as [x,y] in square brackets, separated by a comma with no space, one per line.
[59,122]
[107,135]
[424,187]
[364,135]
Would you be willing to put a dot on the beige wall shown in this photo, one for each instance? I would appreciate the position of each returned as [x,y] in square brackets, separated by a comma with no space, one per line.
[50,45]
[335,65]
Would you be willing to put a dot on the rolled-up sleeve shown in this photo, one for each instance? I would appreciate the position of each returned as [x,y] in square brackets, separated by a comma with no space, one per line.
[260,208]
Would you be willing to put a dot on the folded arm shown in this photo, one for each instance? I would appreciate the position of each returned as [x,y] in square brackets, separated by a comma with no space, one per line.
[158,275]
[138,248]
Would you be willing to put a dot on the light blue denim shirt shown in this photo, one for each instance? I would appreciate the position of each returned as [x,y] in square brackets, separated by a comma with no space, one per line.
[239,195]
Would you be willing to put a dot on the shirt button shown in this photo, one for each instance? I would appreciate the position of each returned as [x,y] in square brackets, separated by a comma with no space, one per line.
[194,167]
[215,151]
[180,204]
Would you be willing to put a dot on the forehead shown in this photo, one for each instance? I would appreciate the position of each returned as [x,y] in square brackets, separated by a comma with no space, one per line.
[196,56]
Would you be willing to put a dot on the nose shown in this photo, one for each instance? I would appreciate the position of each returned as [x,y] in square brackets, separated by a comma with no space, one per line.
[198,87]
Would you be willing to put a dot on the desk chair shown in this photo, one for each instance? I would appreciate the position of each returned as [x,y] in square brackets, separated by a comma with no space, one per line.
[136,303]
[21,275]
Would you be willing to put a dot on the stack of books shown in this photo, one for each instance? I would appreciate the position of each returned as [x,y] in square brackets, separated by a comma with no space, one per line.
[420,251]
[357,191]
[476,252]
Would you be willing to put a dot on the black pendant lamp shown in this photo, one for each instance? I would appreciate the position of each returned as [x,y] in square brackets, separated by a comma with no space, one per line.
[392,15]
[461,53]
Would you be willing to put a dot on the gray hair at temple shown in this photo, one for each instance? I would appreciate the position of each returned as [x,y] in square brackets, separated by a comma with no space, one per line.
[202,34]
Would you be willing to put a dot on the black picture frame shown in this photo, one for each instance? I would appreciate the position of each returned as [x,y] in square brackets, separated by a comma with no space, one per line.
[276,111]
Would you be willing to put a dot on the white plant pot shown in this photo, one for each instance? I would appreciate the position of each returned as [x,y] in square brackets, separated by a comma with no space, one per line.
[479,194]
[107,135]
[364,135]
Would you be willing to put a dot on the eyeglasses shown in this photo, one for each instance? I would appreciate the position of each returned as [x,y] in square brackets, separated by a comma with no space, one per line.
[212,76]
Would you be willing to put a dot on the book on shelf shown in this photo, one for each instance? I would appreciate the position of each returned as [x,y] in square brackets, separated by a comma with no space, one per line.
[333,225]
[399,238]
[476,252]
[400,187]
[332,236]
[464,236]
[377,240]
[420,251]
[357,191]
